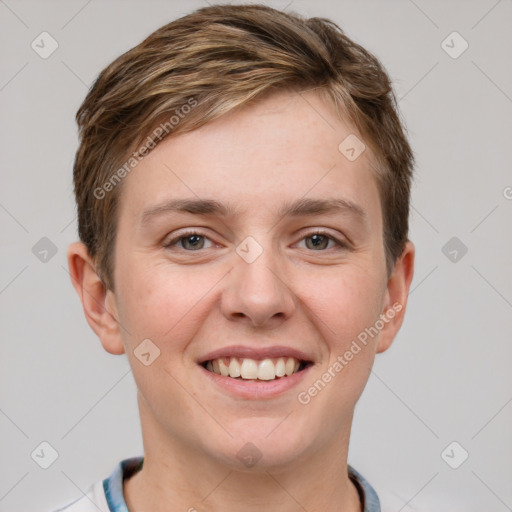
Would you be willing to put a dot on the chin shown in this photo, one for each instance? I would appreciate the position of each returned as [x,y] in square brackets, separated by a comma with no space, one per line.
[259,446]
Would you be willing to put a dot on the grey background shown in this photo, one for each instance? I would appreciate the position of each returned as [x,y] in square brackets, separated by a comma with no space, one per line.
[446,378]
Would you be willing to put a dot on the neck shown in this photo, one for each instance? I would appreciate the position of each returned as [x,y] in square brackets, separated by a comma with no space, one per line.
[176,476]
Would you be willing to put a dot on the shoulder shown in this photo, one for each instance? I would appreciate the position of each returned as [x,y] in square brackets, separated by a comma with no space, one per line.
[92,501]
[106,495]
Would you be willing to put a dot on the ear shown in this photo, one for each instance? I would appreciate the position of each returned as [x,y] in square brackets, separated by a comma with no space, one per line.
[98,303]
[396,295]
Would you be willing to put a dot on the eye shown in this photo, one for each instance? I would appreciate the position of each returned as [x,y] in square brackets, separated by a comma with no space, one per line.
[189,241]
[319,240]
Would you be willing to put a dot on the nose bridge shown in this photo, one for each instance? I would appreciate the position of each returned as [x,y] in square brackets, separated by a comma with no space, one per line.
[256,289]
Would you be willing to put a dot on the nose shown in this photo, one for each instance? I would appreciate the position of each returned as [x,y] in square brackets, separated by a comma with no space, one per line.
[258,293]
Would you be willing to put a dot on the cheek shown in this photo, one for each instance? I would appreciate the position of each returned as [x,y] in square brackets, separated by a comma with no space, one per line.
[345,301]
[165,307]
[161,301]
[346,305]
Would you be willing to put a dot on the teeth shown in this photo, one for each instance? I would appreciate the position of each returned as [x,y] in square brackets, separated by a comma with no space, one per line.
[266,370]
[234,368]
[280,367]
[250,369]
[290,366]
[223,367]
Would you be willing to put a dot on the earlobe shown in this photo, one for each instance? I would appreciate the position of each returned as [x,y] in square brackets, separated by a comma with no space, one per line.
[97,302]
[396,297]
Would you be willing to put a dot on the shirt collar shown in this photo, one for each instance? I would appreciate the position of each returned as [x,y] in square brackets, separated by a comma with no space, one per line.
[368,496]
[113,486]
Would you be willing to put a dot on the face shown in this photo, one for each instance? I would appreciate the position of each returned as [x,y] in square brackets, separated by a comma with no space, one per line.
[253,245]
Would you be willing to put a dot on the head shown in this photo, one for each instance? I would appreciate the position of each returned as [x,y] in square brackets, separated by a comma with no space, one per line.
[248,111]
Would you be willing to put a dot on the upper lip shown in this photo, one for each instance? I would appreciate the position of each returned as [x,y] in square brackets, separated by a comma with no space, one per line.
[255,353]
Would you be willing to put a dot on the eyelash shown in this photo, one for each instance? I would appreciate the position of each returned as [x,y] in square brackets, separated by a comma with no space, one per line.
[341,245]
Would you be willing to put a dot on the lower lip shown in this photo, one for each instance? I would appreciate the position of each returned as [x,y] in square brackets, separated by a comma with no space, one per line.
[256,389]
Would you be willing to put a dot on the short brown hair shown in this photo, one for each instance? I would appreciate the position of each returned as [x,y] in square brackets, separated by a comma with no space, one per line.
[223,57]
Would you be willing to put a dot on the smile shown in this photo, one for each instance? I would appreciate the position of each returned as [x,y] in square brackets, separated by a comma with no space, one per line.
[253,369]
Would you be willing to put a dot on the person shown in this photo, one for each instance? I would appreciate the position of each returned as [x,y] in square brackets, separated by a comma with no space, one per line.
[242,183]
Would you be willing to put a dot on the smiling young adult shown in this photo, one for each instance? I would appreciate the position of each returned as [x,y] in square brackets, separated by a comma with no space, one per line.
[243,185]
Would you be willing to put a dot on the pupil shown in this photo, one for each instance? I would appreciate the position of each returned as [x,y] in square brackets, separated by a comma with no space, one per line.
[318,240]
[193,240]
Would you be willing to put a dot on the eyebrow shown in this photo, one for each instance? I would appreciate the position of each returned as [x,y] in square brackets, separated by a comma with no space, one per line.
[300,207]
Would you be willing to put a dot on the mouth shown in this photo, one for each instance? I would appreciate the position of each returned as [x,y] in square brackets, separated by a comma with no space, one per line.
[249,369]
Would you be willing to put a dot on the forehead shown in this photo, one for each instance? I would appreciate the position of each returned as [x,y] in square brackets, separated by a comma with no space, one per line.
[276,150]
